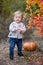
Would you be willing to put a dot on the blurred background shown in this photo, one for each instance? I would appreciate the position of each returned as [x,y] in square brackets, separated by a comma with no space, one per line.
[31,8]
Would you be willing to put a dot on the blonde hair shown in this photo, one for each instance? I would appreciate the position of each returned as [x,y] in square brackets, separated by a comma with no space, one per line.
[18,12]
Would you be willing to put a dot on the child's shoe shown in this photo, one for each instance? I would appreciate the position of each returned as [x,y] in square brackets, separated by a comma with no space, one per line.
[11,57]
[20,54]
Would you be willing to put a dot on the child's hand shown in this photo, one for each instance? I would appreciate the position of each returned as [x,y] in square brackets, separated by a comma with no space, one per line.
[15,29]
[21,31]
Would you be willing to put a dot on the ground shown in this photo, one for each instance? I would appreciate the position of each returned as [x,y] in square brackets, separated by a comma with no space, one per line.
[30,57]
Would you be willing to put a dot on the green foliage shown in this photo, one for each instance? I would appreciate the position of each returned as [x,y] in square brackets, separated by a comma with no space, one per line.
[34,7]
[1,6]
[9,6]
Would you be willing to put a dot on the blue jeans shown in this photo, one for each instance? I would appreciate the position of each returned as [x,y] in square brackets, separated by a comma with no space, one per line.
[14,41]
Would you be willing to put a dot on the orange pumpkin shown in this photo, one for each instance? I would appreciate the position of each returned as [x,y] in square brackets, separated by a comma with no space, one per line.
[29,46]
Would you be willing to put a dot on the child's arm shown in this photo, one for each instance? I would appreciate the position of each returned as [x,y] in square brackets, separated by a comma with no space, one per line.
[12,27]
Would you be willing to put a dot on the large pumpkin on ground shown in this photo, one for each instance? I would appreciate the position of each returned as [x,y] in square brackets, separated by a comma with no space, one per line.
[29,46]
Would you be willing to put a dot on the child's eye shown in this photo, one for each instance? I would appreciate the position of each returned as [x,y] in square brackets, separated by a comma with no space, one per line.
[16,17]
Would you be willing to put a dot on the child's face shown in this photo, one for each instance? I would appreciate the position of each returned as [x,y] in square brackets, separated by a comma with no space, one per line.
[18,18]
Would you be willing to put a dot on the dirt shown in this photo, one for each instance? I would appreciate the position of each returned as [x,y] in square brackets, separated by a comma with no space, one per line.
[30,57]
